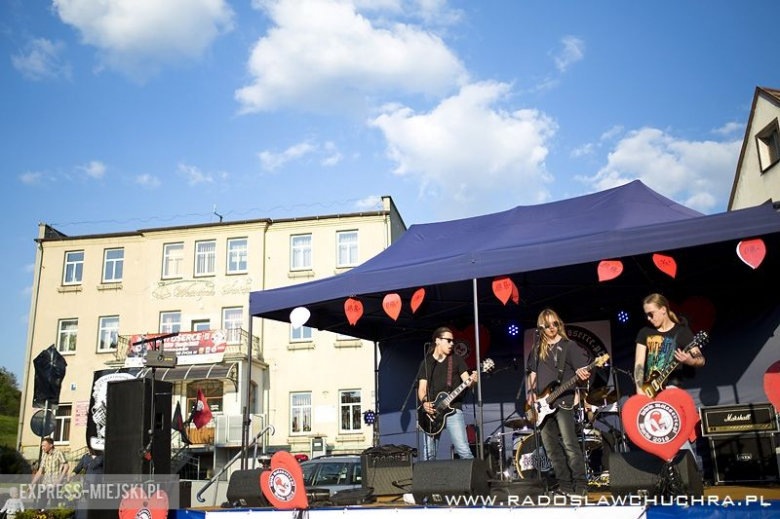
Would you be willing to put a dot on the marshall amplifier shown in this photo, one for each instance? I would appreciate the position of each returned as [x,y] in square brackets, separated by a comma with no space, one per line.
[738,419]
[744,458]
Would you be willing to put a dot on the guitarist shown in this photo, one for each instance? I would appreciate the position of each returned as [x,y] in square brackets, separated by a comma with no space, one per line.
[662,343]
[440,371]
[553,359]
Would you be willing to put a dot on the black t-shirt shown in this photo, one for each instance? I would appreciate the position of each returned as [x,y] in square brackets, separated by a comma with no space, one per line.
[435,373]
[660,351]
[547,370]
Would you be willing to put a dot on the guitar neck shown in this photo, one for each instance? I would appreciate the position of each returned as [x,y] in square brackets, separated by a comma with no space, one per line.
[667,371]
[568,384]
[455,392]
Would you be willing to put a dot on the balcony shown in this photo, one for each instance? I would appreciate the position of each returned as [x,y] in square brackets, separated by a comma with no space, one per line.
[233,351]
[226,431]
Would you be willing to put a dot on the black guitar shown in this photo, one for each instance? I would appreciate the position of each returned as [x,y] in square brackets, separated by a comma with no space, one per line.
[432,424]
[656,381]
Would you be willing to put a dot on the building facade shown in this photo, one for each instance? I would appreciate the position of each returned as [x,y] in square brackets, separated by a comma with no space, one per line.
[95,296]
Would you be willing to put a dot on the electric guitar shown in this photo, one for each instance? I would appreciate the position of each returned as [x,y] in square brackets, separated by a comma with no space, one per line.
[432,424]
[656,380]
[544,405]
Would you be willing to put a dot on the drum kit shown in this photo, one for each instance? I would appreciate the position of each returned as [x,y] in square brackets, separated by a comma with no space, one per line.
[529,459]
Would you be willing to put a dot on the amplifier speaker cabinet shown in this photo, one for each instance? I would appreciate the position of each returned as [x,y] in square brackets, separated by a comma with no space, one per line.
[387,469]
[738,419]
[744,458]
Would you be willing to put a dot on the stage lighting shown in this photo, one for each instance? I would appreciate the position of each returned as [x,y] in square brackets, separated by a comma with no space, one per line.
[622,317]
[369,417]
[513,330]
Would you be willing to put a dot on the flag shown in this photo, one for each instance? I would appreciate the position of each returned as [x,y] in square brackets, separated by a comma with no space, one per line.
[201,414]
[177,424]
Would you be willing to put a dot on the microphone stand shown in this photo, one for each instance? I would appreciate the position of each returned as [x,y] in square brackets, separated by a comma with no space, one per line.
[622,446]
[535,457]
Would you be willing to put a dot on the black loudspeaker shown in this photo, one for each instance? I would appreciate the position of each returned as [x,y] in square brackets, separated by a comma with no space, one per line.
[128,422]
[744,458]
[387,469]
[244,489]
[434,481]
[633,473]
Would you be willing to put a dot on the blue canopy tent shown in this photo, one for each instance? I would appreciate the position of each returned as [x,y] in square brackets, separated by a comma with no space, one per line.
[551,252]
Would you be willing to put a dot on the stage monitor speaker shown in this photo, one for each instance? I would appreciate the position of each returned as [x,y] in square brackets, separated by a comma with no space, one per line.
[634,473]
[128,422]
[434,481]
[244,489]
[744,458]
[387,469]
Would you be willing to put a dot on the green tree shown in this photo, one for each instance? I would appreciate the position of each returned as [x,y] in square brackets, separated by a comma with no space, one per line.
[10,395]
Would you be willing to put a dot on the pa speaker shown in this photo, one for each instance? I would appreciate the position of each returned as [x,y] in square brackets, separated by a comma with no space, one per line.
[129,408]
[387,469]
[244,489]
[632,473]
[434,481]
[744,458]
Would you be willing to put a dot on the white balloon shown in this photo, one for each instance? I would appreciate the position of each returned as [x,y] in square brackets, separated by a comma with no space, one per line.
[299,316]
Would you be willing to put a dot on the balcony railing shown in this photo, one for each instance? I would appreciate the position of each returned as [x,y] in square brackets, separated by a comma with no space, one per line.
[233,350]
[226,431]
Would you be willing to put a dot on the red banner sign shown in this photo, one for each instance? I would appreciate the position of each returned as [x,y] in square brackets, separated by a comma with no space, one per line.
[202,347]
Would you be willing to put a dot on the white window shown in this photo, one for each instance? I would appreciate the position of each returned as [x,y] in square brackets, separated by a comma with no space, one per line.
[109,332]
[61,432]
[350,410]
[113,265]
[232,322]
[768,143]
[237,255]
[205,257]
[170,322]
[67,334]
[300,252]
[201,325]
[347,246]
[300,412]
[302,334]
[74,267]
[173,259]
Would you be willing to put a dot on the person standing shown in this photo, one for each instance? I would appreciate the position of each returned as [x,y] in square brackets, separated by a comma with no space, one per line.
[52,470]
[553,360]
[440,371]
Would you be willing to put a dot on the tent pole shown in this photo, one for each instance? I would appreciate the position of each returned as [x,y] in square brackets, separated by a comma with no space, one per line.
[376,394]
[480,447]
[246,422]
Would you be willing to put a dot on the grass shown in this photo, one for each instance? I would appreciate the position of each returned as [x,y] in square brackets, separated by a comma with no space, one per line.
[8,428]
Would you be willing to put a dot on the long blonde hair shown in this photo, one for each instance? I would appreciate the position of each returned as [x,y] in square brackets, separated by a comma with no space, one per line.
[661,302]
[541,322]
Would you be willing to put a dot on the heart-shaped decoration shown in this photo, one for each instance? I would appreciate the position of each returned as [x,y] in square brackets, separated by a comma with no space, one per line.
[354,310]
[699,311]
[136,503]
[417,299]
[660,426]
[665,264]
[609,269]
[515,294]
[392,306]
[772,384]
[283,484]
[752,252]
[502,288]
[464,341]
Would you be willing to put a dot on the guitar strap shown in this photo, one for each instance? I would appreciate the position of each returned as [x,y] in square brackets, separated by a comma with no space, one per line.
[562,361]
[449,372]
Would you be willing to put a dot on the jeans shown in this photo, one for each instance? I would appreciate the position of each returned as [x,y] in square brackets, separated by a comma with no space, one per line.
[563,448]
[456,425]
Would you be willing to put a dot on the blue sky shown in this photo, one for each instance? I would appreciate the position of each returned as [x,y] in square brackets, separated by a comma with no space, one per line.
[127,114]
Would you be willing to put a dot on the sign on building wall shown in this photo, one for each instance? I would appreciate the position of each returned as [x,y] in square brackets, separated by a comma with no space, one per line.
[202,347]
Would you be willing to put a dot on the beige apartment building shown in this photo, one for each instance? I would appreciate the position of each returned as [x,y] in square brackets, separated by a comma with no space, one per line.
[95,295]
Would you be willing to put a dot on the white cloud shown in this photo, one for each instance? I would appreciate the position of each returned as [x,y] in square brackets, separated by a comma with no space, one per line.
[581,151]
[147,181]
[572,50]
[323,56]
[26,291]
[194,175]
[41,59]
[696,173]
[94,169]
[369,202]
[273,161]
[729,128]
[29,267]
[611,133]
[467,149]
[138,37]
[332,160]
[31,178]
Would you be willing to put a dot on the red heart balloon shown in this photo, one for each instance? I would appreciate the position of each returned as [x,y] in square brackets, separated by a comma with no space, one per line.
[609,269]
[660,426]
[354,310]
[465,340]
[283,484]
[392,305]
[135,502]
[502,288]
[772,384]
[665,264]
[417,299]
[515,294]
[699,311]
[752,252]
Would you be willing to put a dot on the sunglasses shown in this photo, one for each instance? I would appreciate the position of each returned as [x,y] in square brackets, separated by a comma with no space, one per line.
[554,324]
[447,339]
[651,314]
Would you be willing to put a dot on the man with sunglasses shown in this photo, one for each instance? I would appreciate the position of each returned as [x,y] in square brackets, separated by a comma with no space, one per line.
[441,371]
[553,360]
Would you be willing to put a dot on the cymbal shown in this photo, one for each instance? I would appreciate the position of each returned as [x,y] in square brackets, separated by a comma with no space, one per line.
[519,422]
[601,396]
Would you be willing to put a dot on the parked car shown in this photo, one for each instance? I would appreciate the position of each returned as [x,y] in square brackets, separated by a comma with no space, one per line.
[335,472]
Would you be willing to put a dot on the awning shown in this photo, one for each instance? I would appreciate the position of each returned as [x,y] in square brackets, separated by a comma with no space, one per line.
[219,370]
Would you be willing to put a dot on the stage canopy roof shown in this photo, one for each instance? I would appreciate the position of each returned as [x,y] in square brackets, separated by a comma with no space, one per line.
[548,250]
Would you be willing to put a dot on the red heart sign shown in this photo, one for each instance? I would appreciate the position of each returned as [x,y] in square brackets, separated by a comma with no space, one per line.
[283,484]
[609,269]
[354,310]
[772,384]
[417,299]
[660,426]
[502,288]
[665,264]
[465,340]
[392,305]
[136,503]
[752,252]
